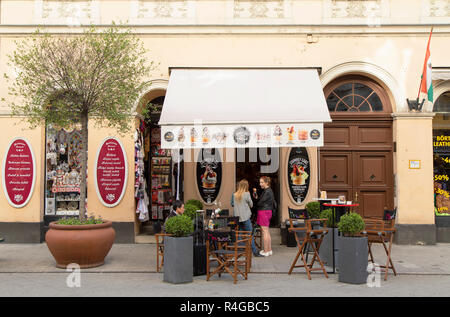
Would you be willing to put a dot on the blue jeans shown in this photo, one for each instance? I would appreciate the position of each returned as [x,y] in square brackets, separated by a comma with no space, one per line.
[247,226]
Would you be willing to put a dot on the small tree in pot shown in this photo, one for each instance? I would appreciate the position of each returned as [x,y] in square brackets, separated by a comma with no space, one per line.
[353,250]
[65,81]
[179,250]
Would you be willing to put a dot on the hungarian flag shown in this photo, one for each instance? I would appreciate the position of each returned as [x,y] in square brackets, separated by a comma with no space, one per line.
[426,86]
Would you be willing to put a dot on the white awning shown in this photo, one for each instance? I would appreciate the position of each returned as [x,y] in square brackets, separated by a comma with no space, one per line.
[215,108]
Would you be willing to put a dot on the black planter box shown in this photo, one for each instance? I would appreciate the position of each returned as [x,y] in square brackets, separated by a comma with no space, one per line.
[353,259]
[199,259]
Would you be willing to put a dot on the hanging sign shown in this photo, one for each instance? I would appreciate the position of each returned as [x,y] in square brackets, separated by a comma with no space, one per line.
[19,175]
[209,174]
[241,136]
[111,172]
[298,173]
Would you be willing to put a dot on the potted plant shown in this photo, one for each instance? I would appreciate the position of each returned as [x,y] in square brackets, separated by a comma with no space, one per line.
[353,250]
[189,210]
[197,203]
[313,209]
[85,242]
[326,248]
[65,81]
[179,250]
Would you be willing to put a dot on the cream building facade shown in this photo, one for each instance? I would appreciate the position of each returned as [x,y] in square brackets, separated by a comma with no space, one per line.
[378,42]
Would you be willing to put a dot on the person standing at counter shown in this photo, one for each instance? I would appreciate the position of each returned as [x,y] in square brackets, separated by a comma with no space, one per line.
[242,202]
[265,204]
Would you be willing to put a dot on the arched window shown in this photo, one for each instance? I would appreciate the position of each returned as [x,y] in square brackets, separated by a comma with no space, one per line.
[356,94]
[442,104]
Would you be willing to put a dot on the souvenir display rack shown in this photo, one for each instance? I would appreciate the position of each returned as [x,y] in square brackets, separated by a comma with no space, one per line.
[63,178]
[161,178]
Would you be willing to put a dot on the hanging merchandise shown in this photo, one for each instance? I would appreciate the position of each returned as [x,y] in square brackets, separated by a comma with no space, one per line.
[75,147]
[140,187]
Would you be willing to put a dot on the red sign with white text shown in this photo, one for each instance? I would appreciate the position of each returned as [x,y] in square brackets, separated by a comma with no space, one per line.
[111,172]
[19,172]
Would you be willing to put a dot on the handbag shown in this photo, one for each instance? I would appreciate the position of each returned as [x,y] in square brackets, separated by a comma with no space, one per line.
[274,209]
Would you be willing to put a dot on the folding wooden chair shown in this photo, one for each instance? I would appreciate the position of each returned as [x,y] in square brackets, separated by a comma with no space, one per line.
[241,235]
[381,231]
[160,249]
[307,236]
[229,257]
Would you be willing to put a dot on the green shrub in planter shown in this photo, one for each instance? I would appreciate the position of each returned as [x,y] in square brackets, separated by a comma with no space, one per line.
[313,209]
[328,214]
[179,226]
[189,210]
[351,224]
[197,203]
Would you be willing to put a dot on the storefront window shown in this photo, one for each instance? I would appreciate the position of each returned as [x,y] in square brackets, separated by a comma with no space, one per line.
[63,178]
[441,149]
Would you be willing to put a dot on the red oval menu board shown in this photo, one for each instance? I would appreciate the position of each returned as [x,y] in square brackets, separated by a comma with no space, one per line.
[19,173]
[111,172]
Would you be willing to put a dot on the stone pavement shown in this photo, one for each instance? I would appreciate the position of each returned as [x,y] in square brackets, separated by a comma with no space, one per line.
[141,258]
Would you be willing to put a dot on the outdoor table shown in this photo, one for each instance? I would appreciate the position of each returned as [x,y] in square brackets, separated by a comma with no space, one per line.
[333,208]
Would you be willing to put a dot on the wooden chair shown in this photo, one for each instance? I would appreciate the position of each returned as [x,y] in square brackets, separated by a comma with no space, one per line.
[381,231]
[307,236]
[240,235]
[230,258]
[160,249]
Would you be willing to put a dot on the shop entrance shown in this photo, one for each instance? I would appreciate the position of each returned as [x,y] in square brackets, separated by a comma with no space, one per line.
[158,175]
[357,158]
[441,154]
[250,165]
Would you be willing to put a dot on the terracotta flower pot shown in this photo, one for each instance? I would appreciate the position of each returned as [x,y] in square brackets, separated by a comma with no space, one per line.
[85,245]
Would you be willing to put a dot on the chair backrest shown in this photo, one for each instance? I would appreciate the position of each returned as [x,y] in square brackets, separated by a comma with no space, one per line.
[389,214]
[232,222]
[374,225]
[298,213]
[295,215]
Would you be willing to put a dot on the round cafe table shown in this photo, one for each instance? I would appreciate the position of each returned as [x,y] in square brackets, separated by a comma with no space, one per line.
[342,207]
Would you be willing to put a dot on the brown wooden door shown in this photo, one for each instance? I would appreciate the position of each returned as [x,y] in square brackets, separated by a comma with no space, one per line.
[357,157]
[362,176]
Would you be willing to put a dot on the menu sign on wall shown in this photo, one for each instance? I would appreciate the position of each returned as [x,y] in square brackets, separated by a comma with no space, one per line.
[298,173]
[111,172]
[209,174]
[19,173]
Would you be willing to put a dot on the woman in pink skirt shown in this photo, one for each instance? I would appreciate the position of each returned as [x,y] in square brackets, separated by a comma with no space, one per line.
[265,204]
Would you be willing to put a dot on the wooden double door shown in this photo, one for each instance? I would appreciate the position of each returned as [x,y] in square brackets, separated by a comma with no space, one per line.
[357,162]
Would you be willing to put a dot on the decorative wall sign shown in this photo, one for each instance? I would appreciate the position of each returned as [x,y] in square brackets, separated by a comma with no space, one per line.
[240,136]
[19,175]
[209,174]
[298,173]
[67,12]
[111,172]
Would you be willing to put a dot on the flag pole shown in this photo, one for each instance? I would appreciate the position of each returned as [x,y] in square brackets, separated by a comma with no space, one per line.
[421,79]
